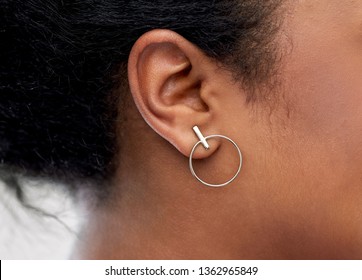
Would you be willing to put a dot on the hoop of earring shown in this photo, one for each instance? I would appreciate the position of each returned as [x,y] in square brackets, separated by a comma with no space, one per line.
[203,141]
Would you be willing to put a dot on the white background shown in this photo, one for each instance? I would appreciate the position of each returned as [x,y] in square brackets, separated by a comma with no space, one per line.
[27,234]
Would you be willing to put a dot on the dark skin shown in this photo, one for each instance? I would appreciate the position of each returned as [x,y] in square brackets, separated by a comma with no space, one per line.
[299,194]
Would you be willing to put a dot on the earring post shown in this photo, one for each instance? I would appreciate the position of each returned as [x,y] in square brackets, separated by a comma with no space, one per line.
[201,137]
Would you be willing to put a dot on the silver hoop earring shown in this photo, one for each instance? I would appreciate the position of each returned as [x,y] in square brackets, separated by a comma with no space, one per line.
[203,141]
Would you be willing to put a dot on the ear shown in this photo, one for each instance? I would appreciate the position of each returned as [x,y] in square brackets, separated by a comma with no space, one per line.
[169,81]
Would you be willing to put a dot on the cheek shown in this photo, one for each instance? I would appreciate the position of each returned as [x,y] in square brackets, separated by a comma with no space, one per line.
[324,85]
[327,97]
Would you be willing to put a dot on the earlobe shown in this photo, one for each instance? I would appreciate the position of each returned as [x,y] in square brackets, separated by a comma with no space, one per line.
[167,82]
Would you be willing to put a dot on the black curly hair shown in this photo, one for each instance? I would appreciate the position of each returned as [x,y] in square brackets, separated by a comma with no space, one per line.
[60,60]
